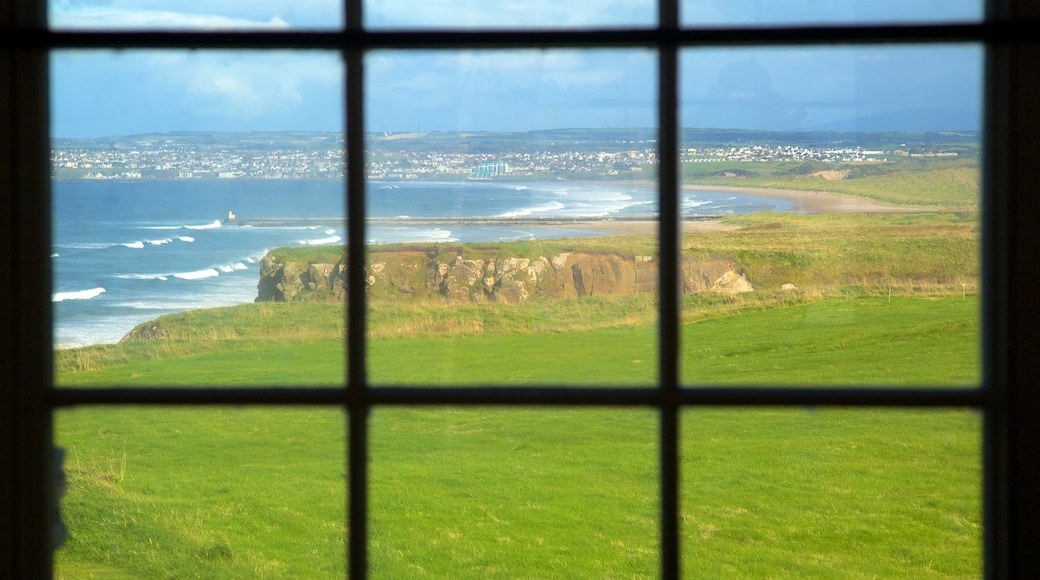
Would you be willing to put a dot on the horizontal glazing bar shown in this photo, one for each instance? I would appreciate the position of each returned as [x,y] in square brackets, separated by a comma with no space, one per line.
[996,32]
[556,396]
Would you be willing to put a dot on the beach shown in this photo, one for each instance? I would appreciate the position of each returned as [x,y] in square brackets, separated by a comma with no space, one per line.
[804,202]
[813,201]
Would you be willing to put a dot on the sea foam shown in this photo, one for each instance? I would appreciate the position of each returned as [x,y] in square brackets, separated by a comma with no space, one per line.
[79,295]
[209,226]
[197,274]
[543,208]
[321,241]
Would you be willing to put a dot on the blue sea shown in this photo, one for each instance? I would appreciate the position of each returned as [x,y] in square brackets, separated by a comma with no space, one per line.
[126,252]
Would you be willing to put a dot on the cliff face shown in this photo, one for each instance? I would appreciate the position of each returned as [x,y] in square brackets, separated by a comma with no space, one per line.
[288,281]
[453,276]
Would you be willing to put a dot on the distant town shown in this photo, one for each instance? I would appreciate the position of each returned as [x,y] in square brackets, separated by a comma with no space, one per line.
[591,154]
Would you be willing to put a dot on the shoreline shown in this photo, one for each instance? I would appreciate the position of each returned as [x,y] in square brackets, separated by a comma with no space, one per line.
[813,201]
[804,202]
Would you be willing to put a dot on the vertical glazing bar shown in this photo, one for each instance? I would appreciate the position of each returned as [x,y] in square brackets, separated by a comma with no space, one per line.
[668,88]
[357,408]
[994,316]
[8,333]
[29,322]
[26,334]
[1012,209]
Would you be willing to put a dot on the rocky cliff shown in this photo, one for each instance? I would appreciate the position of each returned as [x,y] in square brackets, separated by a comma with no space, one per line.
[459,275]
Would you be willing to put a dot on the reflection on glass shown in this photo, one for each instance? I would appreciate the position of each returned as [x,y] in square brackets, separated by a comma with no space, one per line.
[696,13]
[512,212]
[491,14]
[819,493]
[202,493]
[175,187]
[279,15]
[860,264]
[531,493]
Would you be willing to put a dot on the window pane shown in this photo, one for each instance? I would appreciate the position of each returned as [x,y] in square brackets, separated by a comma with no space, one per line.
[845,186]
[696,13]
[175,184]
[202,493]
[820,493]
[491,14]
[532,493]
[512,206]
[280,15]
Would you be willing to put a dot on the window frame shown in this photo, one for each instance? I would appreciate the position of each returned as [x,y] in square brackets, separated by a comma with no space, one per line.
[1010,406]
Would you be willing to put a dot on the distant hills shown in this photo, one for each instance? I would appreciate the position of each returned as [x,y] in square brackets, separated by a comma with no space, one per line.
[868,132]
[910,120]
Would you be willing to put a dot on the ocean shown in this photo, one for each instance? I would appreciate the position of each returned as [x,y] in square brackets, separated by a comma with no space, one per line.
[125,252]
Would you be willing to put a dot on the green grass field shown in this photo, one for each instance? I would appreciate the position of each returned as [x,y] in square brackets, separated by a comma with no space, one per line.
[543,493]
[952,184]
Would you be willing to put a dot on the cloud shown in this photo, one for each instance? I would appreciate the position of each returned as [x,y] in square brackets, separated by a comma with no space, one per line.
[786,12]
[244,85]
[458,14]
[510,89]
[796,87]
[110,92]
[194,14]
[157,20]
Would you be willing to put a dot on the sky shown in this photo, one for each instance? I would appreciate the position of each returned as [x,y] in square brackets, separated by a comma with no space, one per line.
[104,93]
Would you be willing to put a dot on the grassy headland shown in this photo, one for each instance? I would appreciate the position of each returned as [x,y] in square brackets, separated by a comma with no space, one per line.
[877,299]
[940,183]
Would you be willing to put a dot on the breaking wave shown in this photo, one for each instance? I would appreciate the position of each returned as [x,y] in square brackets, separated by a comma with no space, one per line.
[209,226]
[542,208]
[197,274]
[79,295]
[321,241]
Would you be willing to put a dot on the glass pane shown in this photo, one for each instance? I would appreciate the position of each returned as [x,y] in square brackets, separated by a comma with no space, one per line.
[491,14]
[512,208]
[202,493]
[831,493]
[520,493]
[279,15]
[696,13]
[844,183]
[176,180]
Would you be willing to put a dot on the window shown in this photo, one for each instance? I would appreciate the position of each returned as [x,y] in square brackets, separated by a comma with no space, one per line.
[1006,400]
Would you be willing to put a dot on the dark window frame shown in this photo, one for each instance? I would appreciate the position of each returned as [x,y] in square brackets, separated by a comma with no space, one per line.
[1011,508]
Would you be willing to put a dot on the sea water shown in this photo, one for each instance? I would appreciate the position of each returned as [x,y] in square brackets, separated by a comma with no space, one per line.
[125,252]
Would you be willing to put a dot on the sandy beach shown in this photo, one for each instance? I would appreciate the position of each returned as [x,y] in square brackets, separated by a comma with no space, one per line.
[805,201]
[813,201]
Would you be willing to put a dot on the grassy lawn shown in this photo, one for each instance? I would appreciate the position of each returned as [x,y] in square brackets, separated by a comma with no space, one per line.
[553,492]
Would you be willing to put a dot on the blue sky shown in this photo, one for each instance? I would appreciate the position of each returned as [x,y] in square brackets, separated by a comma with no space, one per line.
[97,93]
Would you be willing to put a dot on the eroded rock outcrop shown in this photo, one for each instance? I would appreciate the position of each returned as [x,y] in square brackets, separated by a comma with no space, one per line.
[288,281]
[455,276]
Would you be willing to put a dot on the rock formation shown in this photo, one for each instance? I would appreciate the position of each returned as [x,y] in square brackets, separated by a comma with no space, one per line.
[457,276]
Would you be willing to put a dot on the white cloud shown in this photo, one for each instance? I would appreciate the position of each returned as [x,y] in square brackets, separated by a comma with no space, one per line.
[194,14]
[744,12]
[99,19]
[510,89]
[244,85]
[460,14]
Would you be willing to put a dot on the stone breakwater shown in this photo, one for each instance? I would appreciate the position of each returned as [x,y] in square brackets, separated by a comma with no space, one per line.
[457,275]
